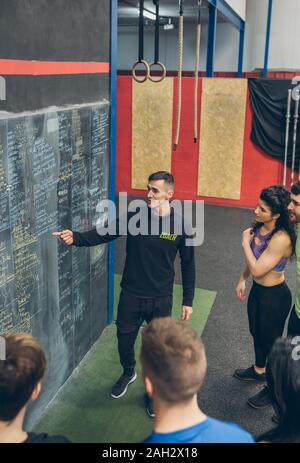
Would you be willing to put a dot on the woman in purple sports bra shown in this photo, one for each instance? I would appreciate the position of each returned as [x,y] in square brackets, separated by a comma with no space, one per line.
[267,248]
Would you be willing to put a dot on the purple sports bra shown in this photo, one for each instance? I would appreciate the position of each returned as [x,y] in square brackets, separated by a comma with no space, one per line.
[258,249]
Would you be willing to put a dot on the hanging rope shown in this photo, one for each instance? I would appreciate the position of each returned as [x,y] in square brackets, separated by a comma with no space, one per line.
[179,78]
[196,79]
[141,49]
[156,48]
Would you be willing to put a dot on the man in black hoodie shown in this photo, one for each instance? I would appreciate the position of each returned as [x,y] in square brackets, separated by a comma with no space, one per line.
[148,276]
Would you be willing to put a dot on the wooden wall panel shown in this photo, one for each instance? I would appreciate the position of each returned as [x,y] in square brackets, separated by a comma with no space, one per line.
[152,106]
[222,138]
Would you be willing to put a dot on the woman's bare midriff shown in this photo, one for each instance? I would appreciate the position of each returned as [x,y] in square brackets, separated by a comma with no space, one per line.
[271,279]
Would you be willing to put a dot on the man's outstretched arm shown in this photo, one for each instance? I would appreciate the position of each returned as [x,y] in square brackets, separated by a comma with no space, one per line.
[89,238]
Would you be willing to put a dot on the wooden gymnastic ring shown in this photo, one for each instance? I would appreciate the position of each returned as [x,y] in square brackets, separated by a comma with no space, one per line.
[133,71]
[164,72]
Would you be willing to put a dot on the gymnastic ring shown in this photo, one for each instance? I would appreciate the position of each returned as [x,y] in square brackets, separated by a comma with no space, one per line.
[164,72]
[133,70]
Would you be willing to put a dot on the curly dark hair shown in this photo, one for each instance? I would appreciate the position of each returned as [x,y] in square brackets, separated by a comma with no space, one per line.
[277,198]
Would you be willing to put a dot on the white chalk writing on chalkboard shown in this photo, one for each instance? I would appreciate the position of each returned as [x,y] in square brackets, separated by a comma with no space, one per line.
[53,172]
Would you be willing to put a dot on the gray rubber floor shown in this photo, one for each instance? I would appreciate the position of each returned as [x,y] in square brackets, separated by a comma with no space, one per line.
[219,262]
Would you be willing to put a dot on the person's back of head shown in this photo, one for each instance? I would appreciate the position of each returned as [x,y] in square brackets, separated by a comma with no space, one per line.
[20,373]
[283,378]
[174,366]
[173,358]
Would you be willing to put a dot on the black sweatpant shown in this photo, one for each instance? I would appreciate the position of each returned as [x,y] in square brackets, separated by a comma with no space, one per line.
[294,324]
[268,308]
[132,312]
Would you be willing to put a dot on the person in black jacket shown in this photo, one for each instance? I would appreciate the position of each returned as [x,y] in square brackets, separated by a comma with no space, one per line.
[21,375]
[148,276]
[283,378]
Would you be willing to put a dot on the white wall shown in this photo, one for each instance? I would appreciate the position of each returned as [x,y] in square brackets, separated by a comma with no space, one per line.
[239,6]
[284,42]
[255,37]
[227,44]
[285,37]
[285,34]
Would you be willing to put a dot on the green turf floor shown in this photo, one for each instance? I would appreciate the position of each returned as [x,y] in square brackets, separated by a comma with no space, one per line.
[83,409]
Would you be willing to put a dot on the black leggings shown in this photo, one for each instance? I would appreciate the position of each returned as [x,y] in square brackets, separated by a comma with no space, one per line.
[268,308]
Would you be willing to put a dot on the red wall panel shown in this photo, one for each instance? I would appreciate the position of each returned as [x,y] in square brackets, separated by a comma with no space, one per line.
[259,169]
[124,125]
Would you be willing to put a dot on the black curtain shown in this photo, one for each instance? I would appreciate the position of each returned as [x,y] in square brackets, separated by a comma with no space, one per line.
[269,103]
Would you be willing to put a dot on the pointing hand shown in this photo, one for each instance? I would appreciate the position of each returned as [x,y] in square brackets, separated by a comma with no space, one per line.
[66,236]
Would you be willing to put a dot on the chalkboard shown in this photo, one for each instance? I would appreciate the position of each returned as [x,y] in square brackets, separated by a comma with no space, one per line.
[53,171]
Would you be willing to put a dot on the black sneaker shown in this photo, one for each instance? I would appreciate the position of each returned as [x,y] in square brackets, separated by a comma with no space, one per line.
[120,388]
[149,406]
[261,400]
[249,374]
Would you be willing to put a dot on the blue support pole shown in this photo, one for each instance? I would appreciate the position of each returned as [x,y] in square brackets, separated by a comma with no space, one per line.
[215,7]
[241,53]
[211,41]
[268,33]
[112,152]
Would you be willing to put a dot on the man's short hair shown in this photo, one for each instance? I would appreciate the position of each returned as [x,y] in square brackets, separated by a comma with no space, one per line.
[173,357]
[162,175]
[23,368]
[295,189]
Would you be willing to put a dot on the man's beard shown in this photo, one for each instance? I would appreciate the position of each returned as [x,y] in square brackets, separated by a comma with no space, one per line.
[294,218]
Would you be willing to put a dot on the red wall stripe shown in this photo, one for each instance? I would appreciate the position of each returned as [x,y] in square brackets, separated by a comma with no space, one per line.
[38,68]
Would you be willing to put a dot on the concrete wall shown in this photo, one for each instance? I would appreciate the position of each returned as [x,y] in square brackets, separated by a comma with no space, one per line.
[239,6]
[285,34]
[284,40]
[226,47]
